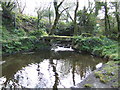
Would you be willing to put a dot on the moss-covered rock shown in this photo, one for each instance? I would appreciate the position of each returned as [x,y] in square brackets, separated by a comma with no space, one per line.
[88,85]
[109,73]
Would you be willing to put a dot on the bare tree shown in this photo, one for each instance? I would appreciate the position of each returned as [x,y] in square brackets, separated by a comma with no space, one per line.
[68,14]
[20,7]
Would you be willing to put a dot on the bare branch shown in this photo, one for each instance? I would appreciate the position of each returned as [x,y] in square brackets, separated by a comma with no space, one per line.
[60,3]
[20,6]
[69,15]
[63,10]
[23,8]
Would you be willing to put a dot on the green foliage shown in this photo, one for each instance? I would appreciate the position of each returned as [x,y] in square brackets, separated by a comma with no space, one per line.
[19,32]
[64,29]
[87,21]
[8,14]
[46,13]
[11,46]
[38,33]
[102,46]
[15,34]
[88,43]
[23,44]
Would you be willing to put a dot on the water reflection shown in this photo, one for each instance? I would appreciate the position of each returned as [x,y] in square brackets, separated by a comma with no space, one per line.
[47,69]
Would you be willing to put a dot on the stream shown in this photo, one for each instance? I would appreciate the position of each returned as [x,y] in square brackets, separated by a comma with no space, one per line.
[59,67]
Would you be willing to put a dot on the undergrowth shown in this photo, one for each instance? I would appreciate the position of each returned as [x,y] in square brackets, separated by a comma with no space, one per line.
[98,46]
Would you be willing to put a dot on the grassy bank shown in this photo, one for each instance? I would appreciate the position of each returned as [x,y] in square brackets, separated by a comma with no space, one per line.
[98,46]
[23,36]
[23,44]
[19,40]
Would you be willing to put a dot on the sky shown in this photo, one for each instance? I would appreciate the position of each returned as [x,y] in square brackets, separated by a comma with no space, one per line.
[32,4]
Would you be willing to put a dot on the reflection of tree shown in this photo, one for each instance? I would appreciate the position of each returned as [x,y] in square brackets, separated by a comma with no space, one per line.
[73,73]
[65,67]
[81,70]
[67,63]
[56,75]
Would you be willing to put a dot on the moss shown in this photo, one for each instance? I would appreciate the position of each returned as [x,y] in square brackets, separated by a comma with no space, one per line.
[109,73]
[88,85]
[116,84]
[98,74]
[104,79]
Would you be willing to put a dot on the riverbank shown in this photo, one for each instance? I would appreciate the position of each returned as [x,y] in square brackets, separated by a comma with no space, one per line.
[25,44]
[97,46]
[106,76]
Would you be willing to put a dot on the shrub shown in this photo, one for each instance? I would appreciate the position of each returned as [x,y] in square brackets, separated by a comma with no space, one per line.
[19,32]
[88,44]
[99,46]
[64,29]
[38,33]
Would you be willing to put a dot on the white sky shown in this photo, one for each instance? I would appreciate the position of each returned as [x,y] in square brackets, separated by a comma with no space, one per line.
[32,4]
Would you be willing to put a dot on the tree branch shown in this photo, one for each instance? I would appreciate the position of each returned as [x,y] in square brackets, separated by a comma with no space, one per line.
[68,14]
[63,10]
[60,3]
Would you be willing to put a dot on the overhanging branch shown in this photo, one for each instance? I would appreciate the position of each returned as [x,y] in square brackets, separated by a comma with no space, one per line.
[63,10]
[60,3]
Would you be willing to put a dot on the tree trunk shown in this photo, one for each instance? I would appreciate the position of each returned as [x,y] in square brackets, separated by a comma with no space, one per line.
[38,21]
[55,23]
[117,18]
[75,18]
[57,15]
[107,23]
[50,16]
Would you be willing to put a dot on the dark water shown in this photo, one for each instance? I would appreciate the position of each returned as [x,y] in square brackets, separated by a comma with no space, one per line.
[62,68]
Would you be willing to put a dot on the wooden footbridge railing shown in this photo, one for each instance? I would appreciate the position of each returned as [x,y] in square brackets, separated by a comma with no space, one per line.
[60,38]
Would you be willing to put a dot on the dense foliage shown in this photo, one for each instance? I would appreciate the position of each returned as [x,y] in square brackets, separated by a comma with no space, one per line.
[98,46]
[23,44]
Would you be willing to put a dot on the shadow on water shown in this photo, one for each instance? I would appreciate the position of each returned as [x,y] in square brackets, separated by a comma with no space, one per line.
[47,69]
